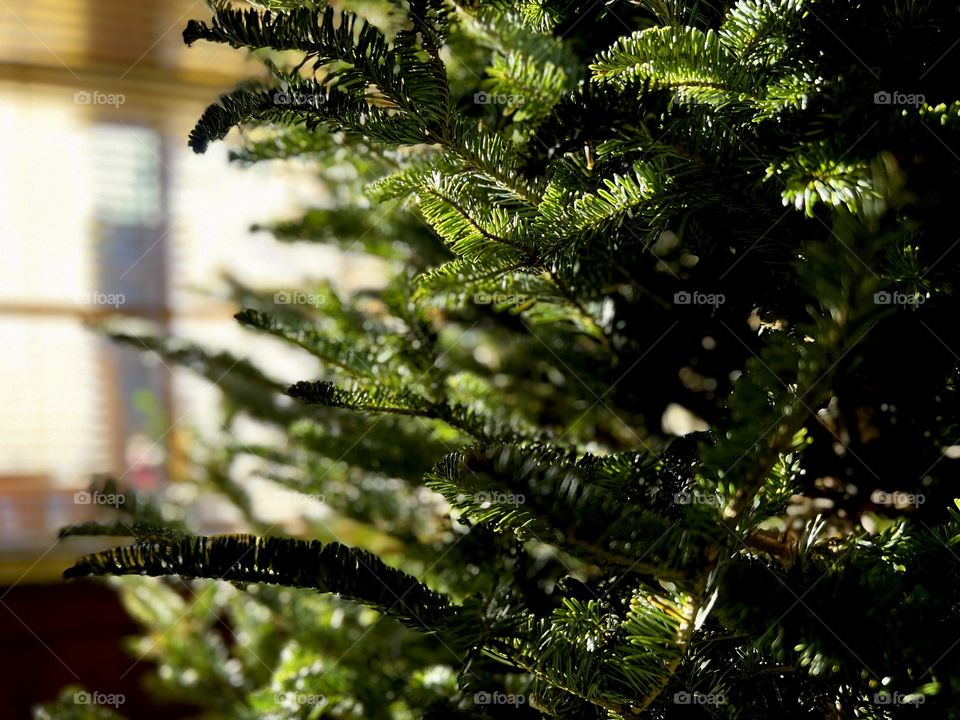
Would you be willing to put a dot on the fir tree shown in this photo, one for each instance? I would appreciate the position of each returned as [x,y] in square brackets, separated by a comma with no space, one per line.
[592,211]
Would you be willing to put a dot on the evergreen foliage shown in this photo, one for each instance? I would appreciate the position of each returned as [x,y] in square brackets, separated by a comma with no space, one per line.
[590,212]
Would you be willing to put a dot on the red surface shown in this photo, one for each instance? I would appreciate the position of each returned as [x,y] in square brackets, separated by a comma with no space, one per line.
[82,626]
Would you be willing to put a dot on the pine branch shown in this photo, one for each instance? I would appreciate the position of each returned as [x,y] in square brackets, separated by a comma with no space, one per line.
[444,205]
[480,426]
[346,357]
[373,400]
[333,568]
[414,100]
[582,506]
[682,58]
[310,104]
[341,37]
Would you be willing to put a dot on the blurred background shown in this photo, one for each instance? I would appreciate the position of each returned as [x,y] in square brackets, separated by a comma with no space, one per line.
[107,216]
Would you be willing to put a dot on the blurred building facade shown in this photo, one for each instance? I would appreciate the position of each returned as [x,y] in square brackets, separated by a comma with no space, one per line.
[105,212]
